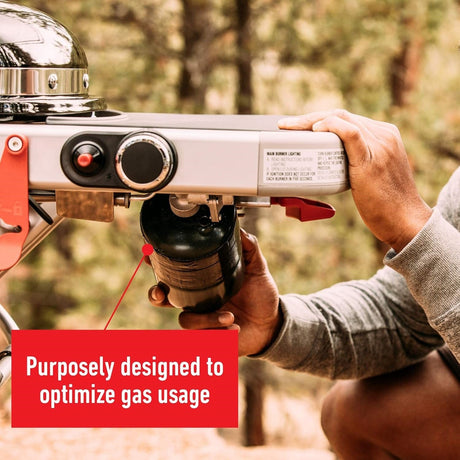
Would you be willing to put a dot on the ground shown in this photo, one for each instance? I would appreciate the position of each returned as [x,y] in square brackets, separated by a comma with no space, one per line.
[292,426]
[139,444]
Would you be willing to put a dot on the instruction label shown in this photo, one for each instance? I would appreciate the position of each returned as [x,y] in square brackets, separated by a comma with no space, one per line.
[124,378]
[303,166]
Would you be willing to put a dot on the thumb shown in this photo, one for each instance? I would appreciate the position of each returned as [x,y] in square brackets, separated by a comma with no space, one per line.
[253,257]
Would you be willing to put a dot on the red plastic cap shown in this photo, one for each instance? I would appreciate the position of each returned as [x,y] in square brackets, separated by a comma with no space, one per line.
[84,160]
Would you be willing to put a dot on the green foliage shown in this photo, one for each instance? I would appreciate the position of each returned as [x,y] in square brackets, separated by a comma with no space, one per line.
[307,257]
[354,41]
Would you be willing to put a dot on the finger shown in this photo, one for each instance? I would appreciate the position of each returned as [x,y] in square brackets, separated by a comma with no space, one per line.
[304,122]
[158,297]
[233,327]
[372,129]
[218,319]
[352,135]
[375,124]
[249,242]
[308,120]
[253,257]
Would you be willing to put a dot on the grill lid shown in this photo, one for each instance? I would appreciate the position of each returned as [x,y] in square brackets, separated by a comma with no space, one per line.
[43,67]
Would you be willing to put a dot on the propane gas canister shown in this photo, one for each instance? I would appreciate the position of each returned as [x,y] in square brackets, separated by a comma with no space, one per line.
[199,261]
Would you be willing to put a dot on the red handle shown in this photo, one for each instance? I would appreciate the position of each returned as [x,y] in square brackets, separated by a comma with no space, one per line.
[14,199]
[304,209]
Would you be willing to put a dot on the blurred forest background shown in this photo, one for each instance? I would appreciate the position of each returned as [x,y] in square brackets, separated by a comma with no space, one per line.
[396,60]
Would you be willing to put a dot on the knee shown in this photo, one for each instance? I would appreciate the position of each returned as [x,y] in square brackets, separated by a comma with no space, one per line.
[335,412]
[344,420]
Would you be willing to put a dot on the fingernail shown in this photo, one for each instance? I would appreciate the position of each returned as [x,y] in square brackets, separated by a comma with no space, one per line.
[318,126]
[225,317]
[153,295]
[289,122]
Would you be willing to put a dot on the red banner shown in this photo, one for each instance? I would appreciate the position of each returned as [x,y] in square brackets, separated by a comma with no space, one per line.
[124,378]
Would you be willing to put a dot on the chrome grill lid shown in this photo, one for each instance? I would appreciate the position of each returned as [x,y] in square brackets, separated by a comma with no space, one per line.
[43,68]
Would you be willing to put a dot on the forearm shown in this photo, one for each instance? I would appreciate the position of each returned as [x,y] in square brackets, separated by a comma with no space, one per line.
[353,330]
[364,328]
[430,263]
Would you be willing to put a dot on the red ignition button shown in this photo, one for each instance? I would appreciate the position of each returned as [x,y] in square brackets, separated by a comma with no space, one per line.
[88,159]
[84,160]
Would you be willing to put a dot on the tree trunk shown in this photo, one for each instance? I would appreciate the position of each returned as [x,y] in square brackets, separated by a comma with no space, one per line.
[254,371]
[254,385]
[244,96]
[404,76]
[405,66]
[197,54]
[254,374]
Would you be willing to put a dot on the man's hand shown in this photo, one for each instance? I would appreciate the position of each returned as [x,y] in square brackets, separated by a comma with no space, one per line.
[380,176]
[253,310]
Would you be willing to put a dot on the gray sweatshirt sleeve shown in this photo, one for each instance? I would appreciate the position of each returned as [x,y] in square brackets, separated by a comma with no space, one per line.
[363,328]
[430,265]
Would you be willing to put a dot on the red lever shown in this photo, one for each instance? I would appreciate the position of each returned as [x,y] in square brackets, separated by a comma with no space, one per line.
[304,209]
[14,199]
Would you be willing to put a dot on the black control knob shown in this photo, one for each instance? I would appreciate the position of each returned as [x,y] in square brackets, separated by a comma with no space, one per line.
[145,161]
[87,158]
